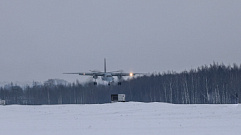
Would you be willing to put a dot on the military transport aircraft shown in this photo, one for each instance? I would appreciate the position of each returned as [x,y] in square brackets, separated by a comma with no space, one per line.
[106,76]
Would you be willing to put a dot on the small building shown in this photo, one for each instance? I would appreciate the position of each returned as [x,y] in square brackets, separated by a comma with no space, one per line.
[2,102]
[118,97]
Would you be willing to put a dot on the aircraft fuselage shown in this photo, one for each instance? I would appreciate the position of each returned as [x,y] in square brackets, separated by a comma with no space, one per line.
[108,77]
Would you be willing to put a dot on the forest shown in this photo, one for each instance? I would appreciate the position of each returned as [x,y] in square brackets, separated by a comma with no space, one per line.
[209,84]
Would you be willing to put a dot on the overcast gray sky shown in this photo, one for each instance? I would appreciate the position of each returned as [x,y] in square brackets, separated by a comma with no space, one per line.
[41,39]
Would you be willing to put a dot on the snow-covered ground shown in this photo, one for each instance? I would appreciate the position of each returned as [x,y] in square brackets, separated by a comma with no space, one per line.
[130,118]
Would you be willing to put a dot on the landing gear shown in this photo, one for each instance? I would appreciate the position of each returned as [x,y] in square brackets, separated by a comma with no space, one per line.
[120,78]
[95,83]
[95,77]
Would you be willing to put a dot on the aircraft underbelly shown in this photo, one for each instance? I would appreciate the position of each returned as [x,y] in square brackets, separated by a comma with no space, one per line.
[108,79]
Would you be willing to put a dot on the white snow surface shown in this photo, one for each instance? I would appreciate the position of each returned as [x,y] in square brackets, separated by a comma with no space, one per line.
[130,118]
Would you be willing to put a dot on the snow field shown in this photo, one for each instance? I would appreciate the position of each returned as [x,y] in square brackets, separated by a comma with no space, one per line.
[121,119]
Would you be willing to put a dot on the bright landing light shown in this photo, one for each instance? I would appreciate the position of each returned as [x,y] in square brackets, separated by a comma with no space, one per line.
[131,74]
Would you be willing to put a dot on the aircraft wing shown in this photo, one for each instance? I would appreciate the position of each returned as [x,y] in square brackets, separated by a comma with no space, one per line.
[88,73]
[125,74]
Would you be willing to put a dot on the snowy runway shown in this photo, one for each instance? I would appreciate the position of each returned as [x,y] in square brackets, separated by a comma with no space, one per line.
[121,119]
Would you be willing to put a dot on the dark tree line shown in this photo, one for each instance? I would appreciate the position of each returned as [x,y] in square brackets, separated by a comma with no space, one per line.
[214,84]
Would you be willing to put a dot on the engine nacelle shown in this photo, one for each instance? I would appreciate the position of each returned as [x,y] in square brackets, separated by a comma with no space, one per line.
[120,77]
[95,77]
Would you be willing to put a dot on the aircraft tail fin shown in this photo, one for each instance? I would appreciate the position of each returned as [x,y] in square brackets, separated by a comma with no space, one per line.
[105,65]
